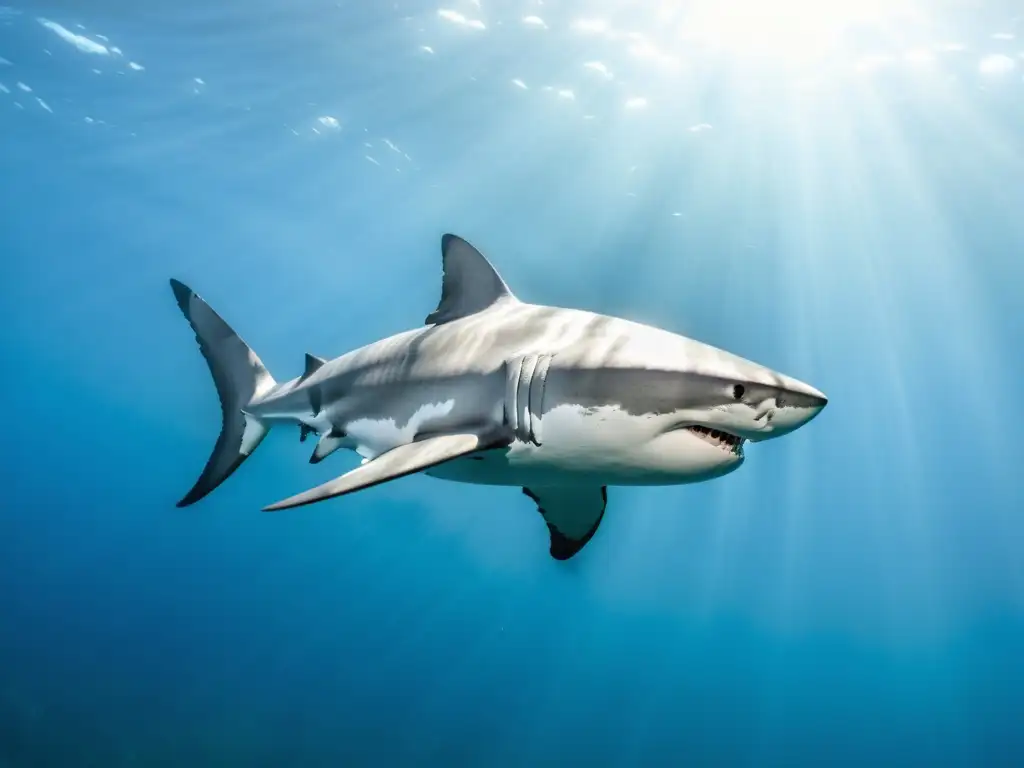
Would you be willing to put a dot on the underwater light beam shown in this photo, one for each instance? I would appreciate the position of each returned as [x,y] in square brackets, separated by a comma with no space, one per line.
[793,31]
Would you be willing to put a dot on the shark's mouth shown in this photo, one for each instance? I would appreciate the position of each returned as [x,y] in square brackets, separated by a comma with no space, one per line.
[718,438]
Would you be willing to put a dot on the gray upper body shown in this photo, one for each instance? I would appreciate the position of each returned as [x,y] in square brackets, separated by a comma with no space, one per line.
[559,401]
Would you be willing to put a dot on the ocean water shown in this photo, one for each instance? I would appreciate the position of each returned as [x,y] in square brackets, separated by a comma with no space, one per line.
[833,191]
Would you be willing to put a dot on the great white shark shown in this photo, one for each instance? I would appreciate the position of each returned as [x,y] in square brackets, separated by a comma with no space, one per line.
[496,391]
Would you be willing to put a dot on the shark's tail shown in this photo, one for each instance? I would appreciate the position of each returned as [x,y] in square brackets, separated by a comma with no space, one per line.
[240,377]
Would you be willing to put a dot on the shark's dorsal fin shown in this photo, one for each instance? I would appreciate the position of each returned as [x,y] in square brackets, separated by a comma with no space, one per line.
[313,364]
[470,284]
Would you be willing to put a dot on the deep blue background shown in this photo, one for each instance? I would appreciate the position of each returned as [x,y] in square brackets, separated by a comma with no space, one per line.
[854,594]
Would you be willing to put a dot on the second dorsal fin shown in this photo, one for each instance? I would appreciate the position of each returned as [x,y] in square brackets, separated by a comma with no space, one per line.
[313,364]
[470,284]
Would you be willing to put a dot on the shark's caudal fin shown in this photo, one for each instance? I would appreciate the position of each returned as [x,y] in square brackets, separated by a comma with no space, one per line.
[240,377]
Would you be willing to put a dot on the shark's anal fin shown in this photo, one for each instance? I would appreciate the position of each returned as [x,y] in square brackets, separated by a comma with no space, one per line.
[470,284]
[328,443]
[573,514]
[398,462]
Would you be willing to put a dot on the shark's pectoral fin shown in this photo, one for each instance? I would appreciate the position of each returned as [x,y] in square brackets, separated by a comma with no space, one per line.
[573,514]
[398,462]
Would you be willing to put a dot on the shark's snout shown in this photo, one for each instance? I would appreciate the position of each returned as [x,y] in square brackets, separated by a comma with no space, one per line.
[787,413]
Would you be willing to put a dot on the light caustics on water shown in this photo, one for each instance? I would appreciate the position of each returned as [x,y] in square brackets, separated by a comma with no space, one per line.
[793,31]
[793,35]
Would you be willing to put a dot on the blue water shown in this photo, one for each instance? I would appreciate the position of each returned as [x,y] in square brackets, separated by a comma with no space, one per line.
[847,211]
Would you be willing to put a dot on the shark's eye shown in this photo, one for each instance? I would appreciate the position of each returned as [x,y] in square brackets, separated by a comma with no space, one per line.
[738,391]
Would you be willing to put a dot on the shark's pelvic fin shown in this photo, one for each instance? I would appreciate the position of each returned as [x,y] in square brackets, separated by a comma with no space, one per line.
[240,378]
[470,283]
[398,462]
[313,364]
[573,514]
[328,443]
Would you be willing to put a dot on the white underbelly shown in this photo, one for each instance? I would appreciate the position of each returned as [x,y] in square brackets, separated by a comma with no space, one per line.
[371,437]
[595,446]
[495,468]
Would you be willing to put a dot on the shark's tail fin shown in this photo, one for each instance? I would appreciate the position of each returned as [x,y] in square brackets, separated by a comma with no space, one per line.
[240,377]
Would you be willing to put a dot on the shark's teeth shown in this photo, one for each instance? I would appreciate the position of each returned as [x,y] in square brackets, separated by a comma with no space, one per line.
[724,440]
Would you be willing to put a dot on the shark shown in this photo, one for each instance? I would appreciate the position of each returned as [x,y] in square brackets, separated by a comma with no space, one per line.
[493,390]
